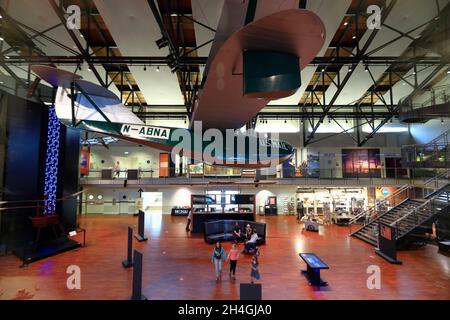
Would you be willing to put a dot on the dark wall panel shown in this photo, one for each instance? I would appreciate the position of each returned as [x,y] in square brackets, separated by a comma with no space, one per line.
[24,122]
[68,175]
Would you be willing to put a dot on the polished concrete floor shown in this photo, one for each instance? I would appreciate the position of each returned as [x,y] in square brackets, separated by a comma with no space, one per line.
[178,266]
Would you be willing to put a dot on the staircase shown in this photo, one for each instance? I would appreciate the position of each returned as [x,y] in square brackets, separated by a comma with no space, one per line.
[436,204]
[369,232]
[407,216]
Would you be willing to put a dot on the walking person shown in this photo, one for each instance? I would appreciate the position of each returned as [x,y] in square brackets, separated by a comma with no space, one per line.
[188,224]
[233,257]
[217,256]
[117,170]
[300,210]
[255,269]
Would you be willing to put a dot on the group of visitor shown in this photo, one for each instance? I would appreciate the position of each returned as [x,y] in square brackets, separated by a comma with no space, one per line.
[219,255]
[249,237]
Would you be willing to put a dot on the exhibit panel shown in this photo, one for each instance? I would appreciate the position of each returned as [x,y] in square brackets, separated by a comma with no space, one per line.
[221,205]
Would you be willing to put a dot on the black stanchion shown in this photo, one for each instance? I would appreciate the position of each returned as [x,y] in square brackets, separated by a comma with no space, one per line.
[141,223]
[137,277]
[129,262]
[251,291]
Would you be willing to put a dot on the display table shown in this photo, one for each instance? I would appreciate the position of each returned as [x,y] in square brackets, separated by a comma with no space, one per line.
[198,219]
[314,265]
[180,211]
[342,220]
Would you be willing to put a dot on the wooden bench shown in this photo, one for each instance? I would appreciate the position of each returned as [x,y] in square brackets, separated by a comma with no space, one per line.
[313,266]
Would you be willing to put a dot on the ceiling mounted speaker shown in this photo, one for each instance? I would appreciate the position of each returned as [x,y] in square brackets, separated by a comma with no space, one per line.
[161,43]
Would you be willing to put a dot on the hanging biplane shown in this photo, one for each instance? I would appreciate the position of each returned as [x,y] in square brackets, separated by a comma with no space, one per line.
[260,62]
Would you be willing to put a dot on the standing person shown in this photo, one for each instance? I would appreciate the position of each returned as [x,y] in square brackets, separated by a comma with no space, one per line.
[255,272]
[188,224]
[117,170]
[300,210]
[233,257]
[216,258]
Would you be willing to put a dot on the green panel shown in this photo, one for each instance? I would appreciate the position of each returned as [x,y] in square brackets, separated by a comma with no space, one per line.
[270,72]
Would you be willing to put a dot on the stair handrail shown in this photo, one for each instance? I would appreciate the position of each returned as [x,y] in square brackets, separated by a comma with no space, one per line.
[365,212]
[435,180]
[426,203]
[441,91]
[443,135]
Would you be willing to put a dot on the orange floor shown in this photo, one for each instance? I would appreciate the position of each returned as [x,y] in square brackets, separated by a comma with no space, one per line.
[177,266]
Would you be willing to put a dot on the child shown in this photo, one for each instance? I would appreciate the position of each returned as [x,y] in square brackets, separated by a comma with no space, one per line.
[255,272]
[217,256]
[233,257]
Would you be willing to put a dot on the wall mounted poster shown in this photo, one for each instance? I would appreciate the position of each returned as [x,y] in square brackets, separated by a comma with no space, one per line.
[361,163]
[313,165]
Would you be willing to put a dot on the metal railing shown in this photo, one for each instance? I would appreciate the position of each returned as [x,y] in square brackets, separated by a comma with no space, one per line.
[381,206]
[431,185]
[436,96]
[435,154]
[419,215]
[391,173]
[16,216]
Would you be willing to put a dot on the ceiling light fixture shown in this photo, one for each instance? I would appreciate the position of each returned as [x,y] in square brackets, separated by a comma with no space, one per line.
[157,69]
[323,70]
[366,68]
[7,57]
[354,37]
[81,35]
[145,68]
[349,69]
[345,23]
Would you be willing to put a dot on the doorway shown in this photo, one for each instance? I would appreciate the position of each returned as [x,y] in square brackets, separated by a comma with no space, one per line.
[152,202]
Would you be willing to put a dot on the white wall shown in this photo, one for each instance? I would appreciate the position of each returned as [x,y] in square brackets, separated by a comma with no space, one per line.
[424,133]
[136,157]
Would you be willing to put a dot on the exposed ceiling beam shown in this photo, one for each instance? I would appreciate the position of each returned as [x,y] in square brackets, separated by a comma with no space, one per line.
[59,12]
[359,57]
[410,96]
[139,60]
